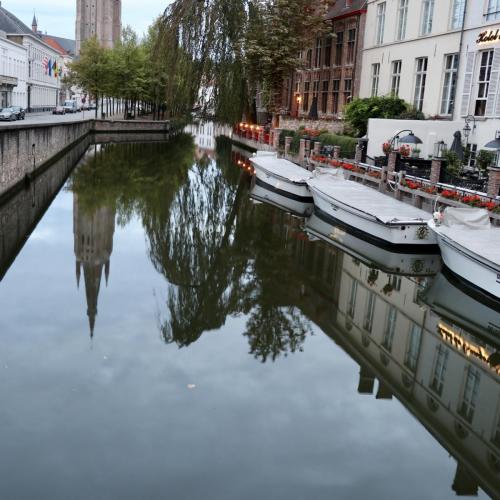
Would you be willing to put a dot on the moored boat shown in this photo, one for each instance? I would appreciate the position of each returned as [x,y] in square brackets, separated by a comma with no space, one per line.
[470,247]
[296,207]
[373,215]
[381,258]
[281,177]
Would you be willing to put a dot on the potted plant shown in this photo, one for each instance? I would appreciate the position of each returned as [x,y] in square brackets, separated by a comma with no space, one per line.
[405,150]
[387,148]
[415,153]
[484,159]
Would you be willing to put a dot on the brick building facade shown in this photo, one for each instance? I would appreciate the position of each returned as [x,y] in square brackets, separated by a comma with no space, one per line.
[332,68]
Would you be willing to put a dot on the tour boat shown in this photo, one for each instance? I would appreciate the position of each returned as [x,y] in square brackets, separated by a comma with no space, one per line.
[296,207]
[371,214]
[470,246]
[381,258]
[281,176]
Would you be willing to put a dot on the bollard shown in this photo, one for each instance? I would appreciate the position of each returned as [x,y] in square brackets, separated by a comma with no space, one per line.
[302,150]
[288,142]
[383,180]
[317,148]
[493,181]
[336,152]
[435,170]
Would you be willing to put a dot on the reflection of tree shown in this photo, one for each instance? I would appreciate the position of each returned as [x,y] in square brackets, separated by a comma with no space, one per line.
[213,245]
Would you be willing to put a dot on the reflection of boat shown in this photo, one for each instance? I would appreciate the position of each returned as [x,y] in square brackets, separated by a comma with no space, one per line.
[384,219]
[281,176]
[262,193]
[370,254]
[450,299]
[470,247]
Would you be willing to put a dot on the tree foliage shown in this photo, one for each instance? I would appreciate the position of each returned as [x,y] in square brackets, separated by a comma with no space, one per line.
[358,112]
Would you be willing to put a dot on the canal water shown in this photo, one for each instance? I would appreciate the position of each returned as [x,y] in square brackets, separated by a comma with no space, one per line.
[163,334]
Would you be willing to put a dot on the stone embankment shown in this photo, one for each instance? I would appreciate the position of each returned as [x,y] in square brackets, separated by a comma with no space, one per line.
[25,151]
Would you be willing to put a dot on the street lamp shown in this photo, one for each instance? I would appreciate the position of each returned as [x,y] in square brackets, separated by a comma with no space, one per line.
[495,144]
[439,149]
[411,138]
[467,128]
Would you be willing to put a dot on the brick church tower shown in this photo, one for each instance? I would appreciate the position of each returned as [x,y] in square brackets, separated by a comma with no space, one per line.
[100,18]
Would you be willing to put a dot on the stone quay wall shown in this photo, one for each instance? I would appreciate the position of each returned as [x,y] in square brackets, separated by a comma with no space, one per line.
[25,150]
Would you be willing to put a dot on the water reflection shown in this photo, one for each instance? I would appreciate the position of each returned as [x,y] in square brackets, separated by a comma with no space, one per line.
[417,336]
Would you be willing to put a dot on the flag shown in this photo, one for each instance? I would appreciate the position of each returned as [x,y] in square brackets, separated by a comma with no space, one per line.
[50,67]
[45,62]
[54,67]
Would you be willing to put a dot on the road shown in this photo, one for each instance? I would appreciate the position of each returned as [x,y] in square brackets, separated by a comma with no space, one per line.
[43,118]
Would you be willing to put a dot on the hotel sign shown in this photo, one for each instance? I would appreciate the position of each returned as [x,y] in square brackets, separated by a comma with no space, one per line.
[488,36]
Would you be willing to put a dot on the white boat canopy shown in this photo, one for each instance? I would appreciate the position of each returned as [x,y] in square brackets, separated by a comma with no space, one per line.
[367,200]
[279,167]
[471,229]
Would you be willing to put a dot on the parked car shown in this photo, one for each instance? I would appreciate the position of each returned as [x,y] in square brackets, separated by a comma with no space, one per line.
[59,110]
[70,106]
[92,105]
[7,114]
[19,112]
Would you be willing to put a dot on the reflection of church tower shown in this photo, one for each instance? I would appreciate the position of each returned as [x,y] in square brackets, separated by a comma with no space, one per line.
[93,236]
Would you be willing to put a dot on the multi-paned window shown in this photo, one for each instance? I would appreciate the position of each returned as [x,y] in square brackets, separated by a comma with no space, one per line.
[335,96]
[328,51]
[483,83]
[395,77]
[402,19]
[469,396]
[471,155]
[351,305]
[339,48]
[420,81]
[309,58]
[347,90]
[493,10]
[390,328]
[427,17]
[413,347]
[457,14]
[449,84]
[351,44]
[379,39]
[317,53]
[305,102]
[369,312]
[375,78]
[315,88]
[439,372]
[324,96]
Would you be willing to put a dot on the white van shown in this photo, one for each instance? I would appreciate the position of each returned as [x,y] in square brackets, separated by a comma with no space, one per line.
[70,106]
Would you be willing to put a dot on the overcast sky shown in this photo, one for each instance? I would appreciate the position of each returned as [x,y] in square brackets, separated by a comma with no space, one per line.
[57,17]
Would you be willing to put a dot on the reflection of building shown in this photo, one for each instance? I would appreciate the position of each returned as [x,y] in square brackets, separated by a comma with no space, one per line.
[93,235]
[205,134]
[446,376]
[99,18]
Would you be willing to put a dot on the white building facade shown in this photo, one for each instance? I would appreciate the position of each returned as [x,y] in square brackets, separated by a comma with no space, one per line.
[443,57]
[13,73]
[43,84]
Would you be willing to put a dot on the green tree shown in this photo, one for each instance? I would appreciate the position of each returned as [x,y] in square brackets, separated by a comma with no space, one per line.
[358,112]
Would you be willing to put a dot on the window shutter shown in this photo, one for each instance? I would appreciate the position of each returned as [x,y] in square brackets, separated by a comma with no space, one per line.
[469,71]
[491,109]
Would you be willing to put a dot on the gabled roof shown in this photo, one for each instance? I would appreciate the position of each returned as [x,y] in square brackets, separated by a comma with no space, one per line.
[340,9]
[68,45]
[12,25]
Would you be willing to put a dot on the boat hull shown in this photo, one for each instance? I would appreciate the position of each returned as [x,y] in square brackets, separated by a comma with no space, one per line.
[470,267]
[384,258]
[261,192]
[298,191]
[394,233]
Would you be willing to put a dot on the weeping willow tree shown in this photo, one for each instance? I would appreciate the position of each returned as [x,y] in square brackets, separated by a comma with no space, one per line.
[216,53]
